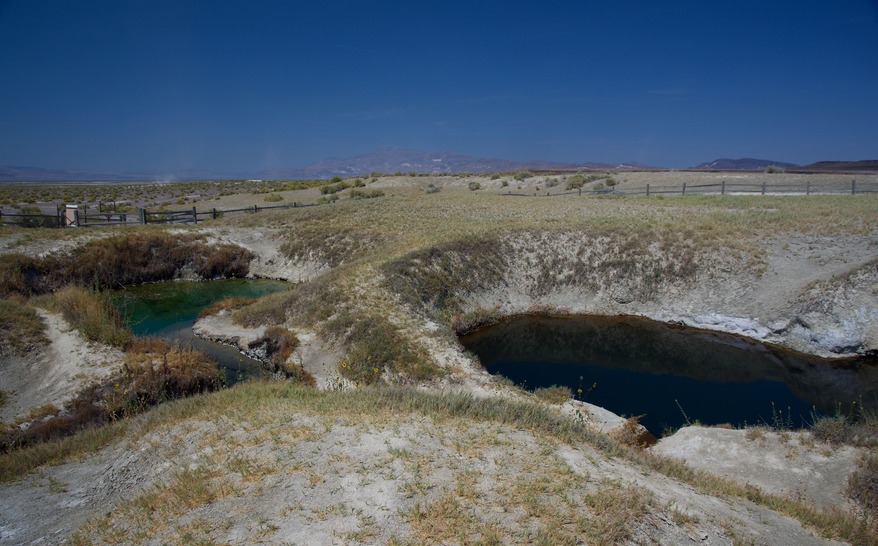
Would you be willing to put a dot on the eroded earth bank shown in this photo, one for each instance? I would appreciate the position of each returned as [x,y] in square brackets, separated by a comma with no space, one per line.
[407,439]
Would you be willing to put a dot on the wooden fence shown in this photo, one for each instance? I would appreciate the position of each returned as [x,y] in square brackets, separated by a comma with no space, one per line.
[31,220]
[85,218]
[725,188]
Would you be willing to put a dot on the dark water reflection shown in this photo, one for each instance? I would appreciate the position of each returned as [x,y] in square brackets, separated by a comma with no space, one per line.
[645,367]
[169,309]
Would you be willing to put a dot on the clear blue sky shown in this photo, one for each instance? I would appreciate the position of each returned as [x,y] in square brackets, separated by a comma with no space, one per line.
[155,85]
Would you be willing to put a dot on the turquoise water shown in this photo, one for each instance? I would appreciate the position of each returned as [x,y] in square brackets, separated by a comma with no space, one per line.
[672,375]
[169,309]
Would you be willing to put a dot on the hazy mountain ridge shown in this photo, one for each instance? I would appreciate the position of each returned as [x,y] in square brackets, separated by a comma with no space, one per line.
[862,165]
[383,160]
[743,164]
[397,159]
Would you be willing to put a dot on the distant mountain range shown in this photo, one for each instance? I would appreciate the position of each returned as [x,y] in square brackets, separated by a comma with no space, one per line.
[870,165]
[36,174]
[743,164]
[394,159]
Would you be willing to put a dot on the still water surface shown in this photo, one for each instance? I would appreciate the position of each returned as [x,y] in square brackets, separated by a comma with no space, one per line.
[169,309]
[671,374]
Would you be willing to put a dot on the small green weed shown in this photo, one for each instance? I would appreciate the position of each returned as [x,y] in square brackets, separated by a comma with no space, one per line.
[555,394]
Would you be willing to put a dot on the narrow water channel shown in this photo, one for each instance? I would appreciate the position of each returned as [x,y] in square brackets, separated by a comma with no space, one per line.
[169,309]
[672,375]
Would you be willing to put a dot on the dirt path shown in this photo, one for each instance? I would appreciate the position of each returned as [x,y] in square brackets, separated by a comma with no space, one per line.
[55,373]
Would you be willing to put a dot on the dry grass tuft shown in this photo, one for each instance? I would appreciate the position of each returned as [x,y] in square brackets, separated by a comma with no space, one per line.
[373,346]
[21,328]
[555,394]
[91,313]
[330,246]
[122,261]
[153,372]
[227,304]
[863,486]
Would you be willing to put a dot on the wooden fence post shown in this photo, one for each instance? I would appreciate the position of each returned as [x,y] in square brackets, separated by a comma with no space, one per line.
[214,213]
[684,188]
[142,217]
[763,187]
[853,187]
[255,209]
[647,189]
[723,190]
[808,188]
[194,215]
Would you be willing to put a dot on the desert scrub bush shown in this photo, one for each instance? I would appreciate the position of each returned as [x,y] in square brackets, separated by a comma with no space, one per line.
[90,313]
[522,175]
[862,486]
[330,189]
[555,394]
[358,194]
[473,186]
[552,182]
[432,188]
[21,328]
[123,260]
[22,275]
[373,345]
[273,198]
[579,180]
[856,426]
[327,199]
[153,372]
[221,261]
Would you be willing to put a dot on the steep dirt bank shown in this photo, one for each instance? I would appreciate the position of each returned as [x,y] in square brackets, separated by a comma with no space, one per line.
[272,468]
[814,294]
[53,374]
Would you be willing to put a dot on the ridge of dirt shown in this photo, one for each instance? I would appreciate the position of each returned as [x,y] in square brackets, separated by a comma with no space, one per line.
[304,476]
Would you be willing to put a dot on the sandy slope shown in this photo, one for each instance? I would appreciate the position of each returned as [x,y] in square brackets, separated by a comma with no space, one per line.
[54,373]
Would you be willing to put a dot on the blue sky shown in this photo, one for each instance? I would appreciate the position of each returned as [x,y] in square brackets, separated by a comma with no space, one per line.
[154,85]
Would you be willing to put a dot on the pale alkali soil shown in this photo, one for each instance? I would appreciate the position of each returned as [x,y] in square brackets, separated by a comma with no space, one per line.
[284,472]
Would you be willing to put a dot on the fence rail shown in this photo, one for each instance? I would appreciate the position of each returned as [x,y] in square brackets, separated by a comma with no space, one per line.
[30,220]
[85,218]
[726,188]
